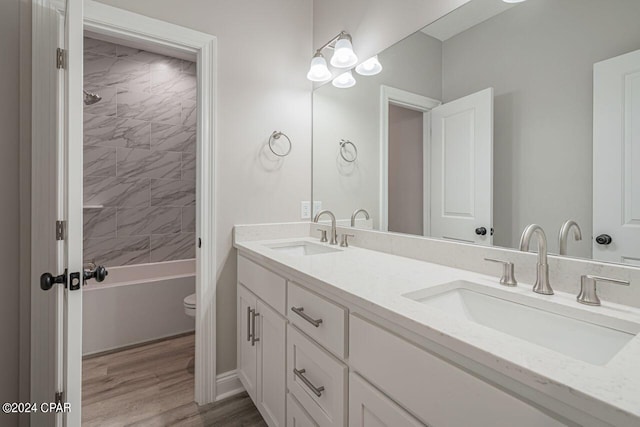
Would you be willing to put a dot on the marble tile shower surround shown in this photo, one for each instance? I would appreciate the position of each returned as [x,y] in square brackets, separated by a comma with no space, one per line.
[139,156]
[564,272]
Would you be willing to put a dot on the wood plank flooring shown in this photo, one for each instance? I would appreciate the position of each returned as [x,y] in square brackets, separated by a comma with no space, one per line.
[152,385]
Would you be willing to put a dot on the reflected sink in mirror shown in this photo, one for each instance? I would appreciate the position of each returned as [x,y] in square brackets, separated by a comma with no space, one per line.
[301,248]
[594,339]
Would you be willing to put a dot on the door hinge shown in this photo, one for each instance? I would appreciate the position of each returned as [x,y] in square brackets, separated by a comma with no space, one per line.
[61,230]
[59,397]
[61,58]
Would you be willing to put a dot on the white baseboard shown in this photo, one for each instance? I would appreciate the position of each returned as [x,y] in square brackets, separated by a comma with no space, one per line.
[227,385]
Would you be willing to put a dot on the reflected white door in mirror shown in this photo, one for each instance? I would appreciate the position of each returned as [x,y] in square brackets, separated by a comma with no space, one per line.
[616,159]
[437,178]
[462,169]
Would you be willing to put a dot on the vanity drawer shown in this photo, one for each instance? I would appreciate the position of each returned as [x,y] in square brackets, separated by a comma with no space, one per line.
[319,318]
[296,415]
[267,285]
[436,392]
[316,379]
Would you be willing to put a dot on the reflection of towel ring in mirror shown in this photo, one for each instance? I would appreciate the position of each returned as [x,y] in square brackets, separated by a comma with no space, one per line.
[349,157]
[275,136]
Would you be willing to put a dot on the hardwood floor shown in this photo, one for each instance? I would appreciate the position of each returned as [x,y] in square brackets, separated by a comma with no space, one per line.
[152,385]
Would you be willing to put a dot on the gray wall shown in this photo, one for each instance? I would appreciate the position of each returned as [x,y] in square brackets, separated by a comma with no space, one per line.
[264,49]
[139,156]
[10,196]
[406,193]
[542,75]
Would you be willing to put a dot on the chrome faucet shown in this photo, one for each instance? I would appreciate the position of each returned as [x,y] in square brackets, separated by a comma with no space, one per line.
[542,285]
[334,233]
[355,213]
[564,234]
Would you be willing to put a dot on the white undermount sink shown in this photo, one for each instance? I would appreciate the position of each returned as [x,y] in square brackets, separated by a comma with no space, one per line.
[301,248]
[583,335]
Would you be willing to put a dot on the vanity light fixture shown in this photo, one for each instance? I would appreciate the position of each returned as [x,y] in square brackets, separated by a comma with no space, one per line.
[370,67]
[513,1]
[344,80]
[343,57]
[318,72]
[343,54]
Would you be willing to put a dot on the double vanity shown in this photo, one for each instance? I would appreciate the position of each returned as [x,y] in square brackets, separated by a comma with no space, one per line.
[337,336]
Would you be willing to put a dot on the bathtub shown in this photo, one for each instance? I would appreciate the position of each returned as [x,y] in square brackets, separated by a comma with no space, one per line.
[136,304]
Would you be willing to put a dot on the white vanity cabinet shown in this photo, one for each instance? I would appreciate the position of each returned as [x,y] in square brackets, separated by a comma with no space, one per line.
[262,344]
[369,407]
[437,392]
[247,350]
[310,360]
[296,416]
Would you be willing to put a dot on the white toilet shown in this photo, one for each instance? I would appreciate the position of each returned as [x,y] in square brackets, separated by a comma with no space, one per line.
[190,305]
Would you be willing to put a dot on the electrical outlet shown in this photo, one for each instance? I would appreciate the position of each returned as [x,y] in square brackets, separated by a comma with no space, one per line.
[305,210]
[317,207]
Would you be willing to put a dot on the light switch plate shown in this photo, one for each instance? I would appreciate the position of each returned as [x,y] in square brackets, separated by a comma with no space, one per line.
[317,207]
[305,210]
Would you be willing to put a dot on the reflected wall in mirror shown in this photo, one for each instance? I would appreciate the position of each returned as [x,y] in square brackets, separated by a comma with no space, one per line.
[492,118]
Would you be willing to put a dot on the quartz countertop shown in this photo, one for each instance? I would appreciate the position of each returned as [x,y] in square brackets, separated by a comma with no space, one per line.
[376,282]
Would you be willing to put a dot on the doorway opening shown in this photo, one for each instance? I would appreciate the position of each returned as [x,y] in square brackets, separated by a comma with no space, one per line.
[406,171]
[139,219]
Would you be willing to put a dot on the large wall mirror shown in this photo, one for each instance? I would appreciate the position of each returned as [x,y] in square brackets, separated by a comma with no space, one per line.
[494,117]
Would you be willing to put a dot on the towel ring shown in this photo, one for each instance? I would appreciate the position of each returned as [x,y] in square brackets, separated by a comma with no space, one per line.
[350,159]
[274,136]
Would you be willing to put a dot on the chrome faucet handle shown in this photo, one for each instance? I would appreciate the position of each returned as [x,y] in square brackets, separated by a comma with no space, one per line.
[323,235]
[588,293]
[508,276]
[344,242]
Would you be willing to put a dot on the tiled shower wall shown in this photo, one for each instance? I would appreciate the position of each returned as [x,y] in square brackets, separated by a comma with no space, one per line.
[139,156]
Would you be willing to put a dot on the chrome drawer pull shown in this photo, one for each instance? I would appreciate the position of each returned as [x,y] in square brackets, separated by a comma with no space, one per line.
[300,312]
[254,340]
[316,390]
[248,323]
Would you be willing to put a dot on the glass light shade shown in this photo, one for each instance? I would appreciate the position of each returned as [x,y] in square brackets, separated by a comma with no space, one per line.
[513,1]
[344,80]
[318,71]
[370,67]
[343,54]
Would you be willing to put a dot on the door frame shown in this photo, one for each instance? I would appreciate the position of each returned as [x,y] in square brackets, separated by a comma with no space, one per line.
[411,101]
[122,25]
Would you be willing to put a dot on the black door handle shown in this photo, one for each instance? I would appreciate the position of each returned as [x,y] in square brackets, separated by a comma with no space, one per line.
[99,274]
[47,280]
[481,231]
[604,239]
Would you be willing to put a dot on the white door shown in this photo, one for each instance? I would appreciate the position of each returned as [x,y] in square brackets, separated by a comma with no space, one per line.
[72,201]
[462,169]
[616,159]
[271,331]
[57,196]
[247,350]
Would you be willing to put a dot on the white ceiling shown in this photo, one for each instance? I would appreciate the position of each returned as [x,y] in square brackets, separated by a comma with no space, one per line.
[465,17]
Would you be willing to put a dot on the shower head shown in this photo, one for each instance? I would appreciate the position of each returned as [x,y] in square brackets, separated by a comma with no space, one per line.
[91,98]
